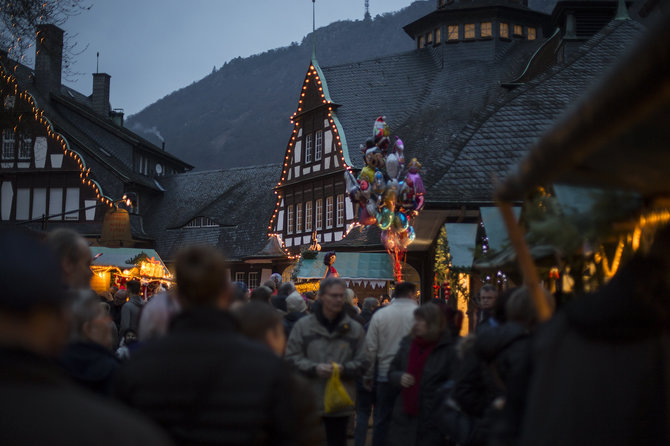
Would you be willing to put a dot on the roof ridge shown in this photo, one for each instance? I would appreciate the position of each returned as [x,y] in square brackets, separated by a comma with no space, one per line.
[345,64]
[198,172]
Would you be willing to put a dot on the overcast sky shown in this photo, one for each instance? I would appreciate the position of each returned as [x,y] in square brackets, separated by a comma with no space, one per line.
[153,47]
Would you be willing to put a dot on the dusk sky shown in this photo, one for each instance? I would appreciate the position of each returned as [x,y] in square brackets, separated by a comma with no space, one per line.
[153,47]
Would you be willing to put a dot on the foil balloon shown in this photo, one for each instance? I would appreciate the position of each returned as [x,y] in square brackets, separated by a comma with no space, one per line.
[400,222]
[366,190]
[353,188]
[384,219]
[392,165]
[380,128]
[388,240]
[403,240]
[365,218]
[411,235]
[404,196]
[391,195]
[379,184]
[399,150]
[371,207]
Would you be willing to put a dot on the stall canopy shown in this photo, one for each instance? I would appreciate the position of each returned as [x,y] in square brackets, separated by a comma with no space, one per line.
[495,228]
[365,266]
[462,240]
[121,257]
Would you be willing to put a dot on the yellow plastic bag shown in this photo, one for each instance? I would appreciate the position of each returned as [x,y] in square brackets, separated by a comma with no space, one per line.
[336,398]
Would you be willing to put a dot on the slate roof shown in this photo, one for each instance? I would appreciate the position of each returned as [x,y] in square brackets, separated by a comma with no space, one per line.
[492,145]
[240,201]
[427,95]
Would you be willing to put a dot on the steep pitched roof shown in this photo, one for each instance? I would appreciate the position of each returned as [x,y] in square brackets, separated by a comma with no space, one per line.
[239,200]
[493,143]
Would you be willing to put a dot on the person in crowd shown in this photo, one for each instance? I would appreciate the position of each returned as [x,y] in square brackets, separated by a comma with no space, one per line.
[296,310]
[130,313]
[203,382]
[276,278]
[279,301]
[39,403]
[272,285]
[350,306]
[261,294]
[88,357]
[156,316]
[74,256]
[325,339]
[262,323]
[370,305]
[120,298]
[388,326]
[486,303]
[423,363]
[240,295]
[310,298]
[128,342]
[384,300]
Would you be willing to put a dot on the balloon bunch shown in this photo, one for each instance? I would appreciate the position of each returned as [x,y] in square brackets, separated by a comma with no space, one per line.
[387,193]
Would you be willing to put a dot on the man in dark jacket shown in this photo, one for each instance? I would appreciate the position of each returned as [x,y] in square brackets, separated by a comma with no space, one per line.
[39,404]
[130,312]
[207,384]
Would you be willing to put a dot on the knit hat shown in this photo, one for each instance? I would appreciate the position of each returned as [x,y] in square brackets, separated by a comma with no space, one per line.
[295,303]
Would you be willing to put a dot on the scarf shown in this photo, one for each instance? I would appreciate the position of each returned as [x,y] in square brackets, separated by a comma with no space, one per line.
[419,351]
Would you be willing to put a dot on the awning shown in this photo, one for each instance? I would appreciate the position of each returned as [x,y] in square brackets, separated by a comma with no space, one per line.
[369,266]
[496,231]
[462,240]
[120,257]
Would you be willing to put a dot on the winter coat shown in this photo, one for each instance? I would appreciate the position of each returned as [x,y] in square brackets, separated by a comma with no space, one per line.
[312,343]
[601,373]
[90,365]
[290,319]
[422,429]
[206,384]
[130,315]
[40,405]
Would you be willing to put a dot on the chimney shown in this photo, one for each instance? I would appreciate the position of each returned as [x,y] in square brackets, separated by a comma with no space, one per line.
[48,59]
[100,96]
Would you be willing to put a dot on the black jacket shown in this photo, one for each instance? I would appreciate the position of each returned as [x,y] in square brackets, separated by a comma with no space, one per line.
[421,429]
[91,365]
[206,384]
[290,319]
[40,405]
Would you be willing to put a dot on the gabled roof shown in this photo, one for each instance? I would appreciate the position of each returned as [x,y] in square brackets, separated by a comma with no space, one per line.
[239,200]
[493,143]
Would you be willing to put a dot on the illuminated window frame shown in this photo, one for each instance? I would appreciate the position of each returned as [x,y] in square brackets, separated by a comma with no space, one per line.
[318,214]
[429,38]
[532,33]
[421,42]
[308,216]
[289,219]
[504,30]
[438,36]
[308,148]
[485,29]
[298,218]
[469,31]
[452,32]
[239,277]
[518,30]
[329,212]
[252,282]
[340,210]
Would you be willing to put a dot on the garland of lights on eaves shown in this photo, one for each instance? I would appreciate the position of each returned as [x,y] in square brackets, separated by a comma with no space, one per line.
[84,173]
[312,73]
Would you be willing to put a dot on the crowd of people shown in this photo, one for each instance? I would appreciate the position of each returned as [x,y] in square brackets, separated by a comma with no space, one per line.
[211,362]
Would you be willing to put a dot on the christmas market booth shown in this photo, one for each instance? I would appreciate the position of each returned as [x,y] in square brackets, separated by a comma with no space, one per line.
[116,266]
[369,274]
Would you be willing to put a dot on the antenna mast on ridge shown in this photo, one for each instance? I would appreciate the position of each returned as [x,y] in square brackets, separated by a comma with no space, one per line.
[313,29]
[367,10]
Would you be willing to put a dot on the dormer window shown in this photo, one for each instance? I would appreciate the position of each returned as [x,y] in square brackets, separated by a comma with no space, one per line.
[518,30]
[201,222]
[532,33]
[429,38]
[469,30]
[421,42]
[8,150]
[504,30]
[25,147]
[452,32]
[485,29]
[438,36]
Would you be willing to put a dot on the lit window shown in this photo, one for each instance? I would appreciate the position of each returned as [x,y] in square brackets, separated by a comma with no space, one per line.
[298,218]
[421,41]
[329,212]
[318,214]
[239,277]
[532,34]
[308,148]
[318,148]
[469,30]
[289,220]
[25,147]
[429,38]
[438,35]
[8,144]
[253,280]
[308,216]
[340,210]
[452,32]
[518,30]
[504,30]
[486,29]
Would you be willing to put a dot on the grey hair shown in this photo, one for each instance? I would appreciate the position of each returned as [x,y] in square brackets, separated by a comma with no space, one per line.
[85,308]
[330,282]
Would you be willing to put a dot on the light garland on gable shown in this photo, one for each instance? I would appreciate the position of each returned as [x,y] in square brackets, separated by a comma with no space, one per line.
[38,113]
[312,75]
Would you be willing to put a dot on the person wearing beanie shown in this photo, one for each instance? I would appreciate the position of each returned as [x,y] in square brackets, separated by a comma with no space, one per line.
[296,309]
